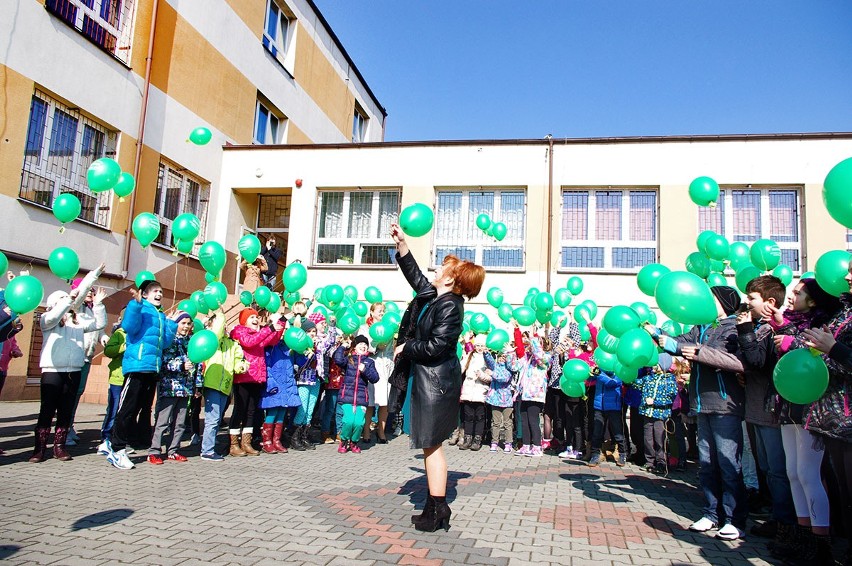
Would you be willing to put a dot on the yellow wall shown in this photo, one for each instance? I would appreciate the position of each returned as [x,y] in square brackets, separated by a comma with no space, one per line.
[252,12]
[820,232]
[18,92]
[296,136]
[678,220]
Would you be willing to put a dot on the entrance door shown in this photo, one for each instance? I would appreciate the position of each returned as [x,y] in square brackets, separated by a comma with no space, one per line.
[273,223]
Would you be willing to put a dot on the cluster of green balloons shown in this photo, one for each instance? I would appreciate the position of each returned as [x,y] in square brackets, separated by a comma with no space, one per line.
[496,230]
[416,220]
[624,345]
[105,174]
[575,372]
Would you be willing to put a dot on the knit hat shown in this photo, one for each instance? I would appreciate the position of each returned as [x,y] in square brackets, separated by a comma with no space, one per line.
[479,340]
[76,283]
[360,339]
[316,317]
[143,288]
[182,316]
[245,314]
[54,298]
[308,325]
[666,361]
[728,297]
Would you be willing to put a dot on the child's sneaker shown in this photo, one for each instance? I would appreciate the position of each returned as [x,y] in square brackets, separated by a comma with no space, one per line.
[493,447]
[177,457]
[212,457]
[524,451]
[545,443]
[507,448]
[120,460]
[155,459]
[354,448]
[105,448]
[536,452]
[343,448]
[568,452]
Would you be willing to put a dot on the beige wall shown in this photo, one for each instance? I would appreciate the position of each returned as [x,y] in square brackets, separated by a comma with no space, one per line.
[18,92]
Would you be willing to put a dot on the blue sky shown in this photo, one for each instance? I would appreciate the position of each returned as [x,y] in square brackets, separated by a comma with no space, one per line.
[476,69]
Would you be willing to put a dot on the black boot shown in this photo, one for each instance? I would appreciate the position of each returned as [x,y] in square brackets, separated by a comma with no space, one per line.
[468,440]
[477,443]
[437,517]
[428,508]
[296,439]
[306,438]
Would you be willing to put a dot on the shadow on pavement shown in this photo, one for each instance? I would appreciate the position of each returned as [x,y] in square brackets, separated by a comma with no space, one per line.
[417,489]
[8,550]
[101,518]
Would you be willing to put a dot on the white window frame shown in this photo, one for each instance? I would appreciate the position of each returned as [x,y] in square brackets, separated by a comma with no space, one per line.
[359,125]
[200,207]
[40,167]
[271,136]
[343,239]
[727,193]
[469,235]
[123,34]
[608,246]
[280,47]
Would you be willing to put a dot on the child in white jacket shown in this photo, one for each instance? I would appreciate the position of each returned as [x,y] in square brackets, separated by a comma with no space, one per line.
[62,357]
[477,378]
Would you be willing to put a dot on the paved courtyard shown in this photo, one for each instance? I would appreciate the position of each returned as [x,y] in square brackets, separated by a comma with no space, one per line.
[320,507]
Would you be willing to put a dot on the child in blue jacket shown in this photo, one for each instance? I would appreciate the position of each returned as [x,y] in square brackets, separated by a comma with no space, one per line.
[607,405]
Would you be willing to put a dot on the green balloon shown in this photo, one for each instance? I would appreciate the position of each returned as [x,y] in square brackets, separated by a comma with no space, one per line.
[332,295]
[185,246]
[23,294]
[373,295]
[202,346]
[672,328]
[685,297]
[592,306]
[836,190]
[381,333]
[361,308]
[784,273]
[198,298]
[495,297]
[574,285]
[249,247]
[524,315]
[210,278]
[562,297]
[186,226]
[294,337]
[585,333]
[582,314]
[644,312]
[745,274]
[805,275]
[189,307]
[543,317]
[125,185]
[739,254]
[533,291]
[619,319]
[479,323]
[499,231]
[765,254]
[649,276]
[607,342]
[348,323]
[197,325]
[626,374]
[702,239]
[505,312]
[831,269]
[212,257]
[543,301]
[800,376]
[292,298]
[717,266]
[200,136]
[262,295]
[717,247]
[4,263]
[572,388]
[246,298]
[704,191]
[143,276]
[351,293]
[558,318]
[211,301]
[274,303]
[146,228]
[393,318]
[416,220]
[604,359]
[716,280]
[497,340]
[529,301]
[483,221]
[635,348]
[390,306]
[218,290]
[697,263]
[103,174]
[575,370]
[66,207]
[64,263]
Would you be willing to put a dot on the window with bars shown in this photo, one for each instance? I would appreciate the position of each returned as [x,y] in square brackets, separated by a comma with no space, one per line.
[269,124]
[106,23]
[354,226]
[61,145]
[273,221]
[608,229]
[177,193]
[359,125]
[456,231]
[747,215]
[278,30]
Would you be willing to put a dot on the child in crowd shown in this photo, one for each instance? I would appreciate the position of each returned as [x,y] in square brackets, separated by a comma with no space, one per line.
[658,390]
[62,358]
[575,414]
[177,385]
[477,377]
[608,407]
[532,388]
[332,418]
[114,350]
[249,386]
[8,351]
[279,397]
[554,401]
[683,424]
[325,342]
[308,382]
[500,396]
[359,369]
[383,356]
[218,383]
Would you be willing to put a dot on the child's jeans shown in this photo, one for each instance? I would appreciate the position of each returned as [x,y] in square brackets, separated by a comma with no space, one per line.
[113,397]
[214,407]
[655,431]
[501,424]
[329,412]
[353,422]
[616,429]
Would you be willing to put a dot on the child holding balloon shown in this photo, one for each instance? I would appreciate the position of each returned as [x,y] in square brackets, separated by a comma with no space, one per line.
[359,370]
[532,390]
[499,396]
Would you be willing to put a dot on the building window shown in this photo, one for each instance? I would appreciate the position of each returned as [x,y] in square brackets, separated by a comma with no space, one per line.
[608,229]
[359,125]
[278,31]
[456,231]
[61,144]
[106,23]
[179,192]
[747,215]
[354,227]
[269,124]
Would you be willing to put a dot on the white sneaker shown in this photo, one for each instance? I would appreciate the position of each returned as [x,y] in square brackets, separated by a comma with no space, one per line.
[702,525]
[120,460]
[730,532]
[195,440]
[105,448]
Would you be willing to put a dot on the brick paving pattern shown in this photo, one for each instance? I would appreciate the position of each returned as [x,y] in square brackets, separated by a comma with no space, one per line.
[321,507]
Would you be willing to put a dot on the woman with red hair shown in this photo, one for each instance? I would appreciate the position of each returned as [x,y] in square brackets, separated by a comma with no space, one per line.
[426,350]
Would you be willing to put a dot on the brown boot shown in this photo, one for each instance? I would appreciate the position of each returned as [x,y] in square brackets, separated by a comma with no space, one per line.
[40,445]
[266,432]
[59,451]
[277,431]
[236,450]
[246,445]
